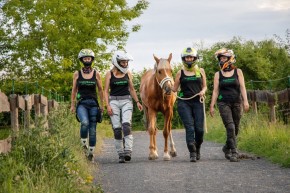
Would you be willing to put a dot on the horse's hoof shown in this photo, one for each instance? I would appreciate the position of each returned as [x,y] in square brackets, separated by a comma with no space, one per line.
[150,158]
[153,157]
[166,157]
[156,155]
[173,153]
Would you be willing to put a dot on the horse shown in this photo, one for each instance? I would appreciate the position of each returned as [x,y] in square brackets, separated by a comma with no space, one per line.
[156,96]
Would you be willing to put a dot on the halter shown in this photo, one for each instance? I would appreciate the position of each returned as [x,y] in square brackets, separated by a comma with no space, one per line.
[163,81]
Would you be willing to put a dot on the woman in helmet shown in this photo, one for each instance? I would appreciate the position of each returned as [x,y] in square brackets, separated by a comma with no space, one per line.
[229,87]
[192,82]
[85,82]
[119,92]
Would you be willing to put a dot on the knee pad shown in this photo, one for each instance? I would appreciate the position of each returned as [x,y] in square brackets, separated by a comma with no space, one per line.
[118,133]
[126,128]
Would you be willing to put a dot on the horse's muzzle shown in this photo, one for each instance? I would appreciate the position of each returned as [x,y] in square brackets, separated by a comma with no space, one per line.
[167,90]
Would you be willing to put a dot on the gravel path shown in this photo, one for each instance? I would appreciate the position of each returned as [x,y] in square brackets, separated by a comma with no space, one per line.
[213,173]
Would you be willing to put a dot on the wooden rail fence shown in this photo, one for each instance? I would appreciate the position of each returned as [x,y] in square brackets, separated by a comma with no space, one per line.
[42,106]
[271,98]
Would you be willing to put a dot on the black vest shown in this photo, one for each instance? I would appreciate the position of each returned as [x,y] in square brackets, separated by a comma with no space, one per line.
[119,86]
[190,86]
[86,87]
[229,88]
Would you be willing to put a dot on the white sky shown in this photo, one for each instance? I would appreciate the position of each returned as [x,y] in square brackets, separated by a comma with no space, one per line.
[168,26]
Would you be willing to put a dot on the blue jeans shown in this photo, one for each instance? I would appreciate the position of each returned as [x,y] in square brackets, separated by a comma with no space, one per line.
[87,113]
[192,117]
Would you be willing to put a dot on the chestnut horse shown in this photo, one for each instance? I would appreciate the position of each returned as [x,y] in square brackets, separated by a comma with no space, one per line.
[156,96]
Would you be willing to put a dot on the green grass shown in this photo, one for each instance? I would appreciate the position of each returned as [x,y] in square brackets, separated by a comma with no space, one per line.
[256,136]
[50,160]
[4,133]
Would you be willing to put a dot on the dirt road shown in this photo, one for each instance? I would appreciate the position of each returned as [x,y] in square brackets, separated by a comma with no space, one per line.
[213,173]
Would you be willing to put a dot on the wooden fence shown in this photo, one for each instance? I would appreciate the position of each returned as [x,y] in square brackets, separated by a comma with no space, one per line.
[14,103]
[272,99]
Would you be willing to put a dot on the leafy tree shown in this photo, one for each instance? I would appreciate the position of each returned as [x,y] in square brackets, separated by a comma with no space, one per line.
[42,38]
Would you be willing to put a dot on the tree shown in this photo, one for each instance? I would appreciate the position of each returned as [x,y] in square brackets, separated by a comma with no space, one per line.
[43,37]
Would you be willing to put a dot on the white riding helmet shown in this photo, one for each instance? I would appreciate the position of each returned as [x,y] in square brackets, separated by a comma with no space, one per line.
[86,53]
[119,56]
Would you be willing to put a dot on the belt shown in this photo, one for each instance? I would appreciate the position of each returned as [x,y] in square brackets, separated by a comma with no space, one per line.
[120,97]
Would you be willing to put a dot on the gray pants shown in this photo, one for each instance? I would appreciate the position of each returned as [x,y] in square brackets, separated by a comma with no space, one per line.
[121,122]
[231,116]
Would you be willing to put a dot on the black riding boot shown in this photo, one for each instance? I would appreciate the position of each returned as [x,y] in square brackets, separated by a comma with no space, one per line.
[121,158]
[227,152]
[198,151]
[192,151]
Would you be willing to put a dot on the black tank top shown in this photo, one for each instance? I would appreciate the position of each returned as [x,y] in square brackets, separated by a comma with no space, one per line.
[119,86]
[86,87]
[190,86]
[229,88]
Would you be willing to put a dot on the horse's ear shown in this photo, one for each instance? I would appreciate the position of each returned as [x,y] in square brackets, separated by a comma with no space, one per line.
[170,57]
[156,59]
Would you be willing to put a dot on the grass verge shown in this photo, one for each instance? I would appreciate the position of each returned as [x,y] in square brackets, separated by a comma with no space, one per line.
[50,160]
[256,136]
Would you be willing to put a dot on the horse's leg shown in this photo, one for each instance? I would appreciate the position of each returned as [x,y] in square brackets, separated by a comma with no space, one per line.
[152,132]
[166,132]
[154,141]
[172,145]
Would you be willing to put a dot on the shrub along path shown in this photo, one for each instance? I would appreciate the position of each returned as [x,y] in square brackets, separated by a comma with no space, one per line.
[213,173]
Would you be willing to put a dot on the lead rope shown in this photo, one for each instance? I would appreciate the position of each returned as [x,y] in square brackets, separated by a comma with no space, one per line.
[201,100]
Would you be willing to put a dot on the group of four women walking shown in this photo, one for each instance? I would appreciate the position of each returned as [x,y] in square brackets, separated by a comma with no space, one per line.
[119,93]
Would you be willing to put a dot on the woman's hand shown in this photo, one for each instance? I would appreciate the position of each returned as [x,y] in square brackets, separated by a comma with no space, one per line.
[246,106]
[109,110]
[201,93]
[72,109]
[140,107]
[211,111]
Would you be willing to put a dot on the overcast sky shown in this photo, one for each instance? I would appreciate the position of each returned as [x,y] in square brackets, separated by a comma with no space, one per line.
[168,26]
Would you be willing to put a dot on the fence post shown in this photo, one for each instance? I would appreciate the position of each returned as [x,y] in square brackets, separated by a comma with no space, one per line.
[254,102]
[14,114]
[28,105]
[271,103]
[44,110]
[37,108]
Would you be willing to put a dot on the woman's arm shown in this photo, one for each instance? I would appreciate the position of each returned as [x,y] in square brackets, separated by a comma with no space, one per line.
[133,91]
[74,92]
[243,90]
[106,93]
[215,93]
[100,90]
[176,82]
[204,85]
